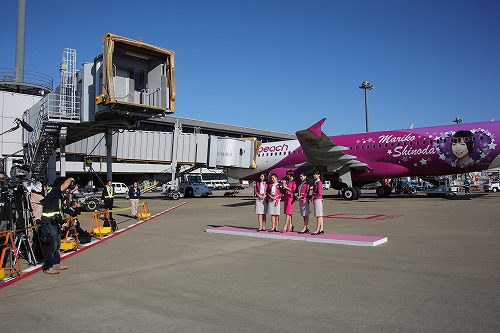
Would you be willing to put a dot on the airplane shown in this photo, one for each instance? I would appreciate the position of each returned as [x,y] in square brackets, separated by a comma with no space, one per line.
[354,160]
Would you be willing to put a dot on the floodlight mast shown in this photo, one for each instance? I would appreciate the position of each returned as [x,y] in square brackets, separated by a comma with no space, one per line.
[366,86]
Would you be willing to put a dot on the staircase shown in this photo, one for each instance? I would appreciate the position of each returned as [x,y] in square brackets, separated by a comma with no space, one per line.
[53,112]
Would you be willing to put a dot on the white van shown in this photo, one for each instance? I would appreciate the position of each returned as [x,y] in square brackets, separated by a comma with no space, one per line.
[120,188]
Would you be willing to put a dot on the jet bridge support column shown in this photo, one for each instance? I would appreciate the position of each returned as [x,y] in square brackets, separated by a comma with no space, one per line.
[62,149]
[51,168]
[173,165]
[109,156]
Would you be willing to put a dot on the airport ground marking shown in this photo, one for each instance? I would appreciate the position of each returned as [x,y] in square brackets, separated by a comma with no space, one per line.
[35,269]
[344,239]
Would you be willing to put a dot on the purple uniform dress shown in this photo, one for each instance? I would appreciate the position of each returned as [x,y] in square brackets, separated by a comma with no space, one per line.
[317,195]
[260,189]
[288,197]
[303,194]
[273,199]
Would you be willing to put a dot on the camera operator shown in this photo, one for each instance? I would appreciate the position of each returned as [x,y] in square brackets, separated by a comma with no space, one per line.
[51,223]
[36,199]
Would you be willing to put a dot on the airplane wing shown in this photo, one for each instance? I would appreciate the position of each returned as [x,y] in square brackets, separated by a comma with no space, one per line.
[321,151]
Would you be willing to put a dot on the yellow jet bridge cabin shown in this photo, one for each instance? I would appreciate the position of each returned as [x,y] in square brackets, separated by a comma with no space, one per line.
[134,78]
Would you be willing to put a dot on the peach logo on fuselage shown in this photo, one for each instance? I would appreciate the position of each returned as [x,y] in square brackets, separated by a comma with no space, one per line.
[273,148]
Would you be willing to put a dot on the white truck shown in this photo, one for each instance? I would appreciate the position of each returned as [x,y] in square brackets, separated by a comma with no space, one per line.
[493,186]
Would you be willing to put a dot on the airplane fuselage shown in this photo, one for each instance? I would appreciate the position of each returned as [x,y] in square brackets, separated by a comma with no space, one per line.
[428,151]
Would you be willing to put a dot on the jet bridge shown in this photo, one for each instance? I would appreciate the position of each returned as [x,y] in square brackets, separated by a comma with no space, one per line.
[175,148]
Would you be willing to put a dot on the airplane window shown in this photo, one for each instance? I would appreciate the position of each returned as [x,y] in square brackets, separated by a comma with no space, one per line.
[380,145]
[404,143]
[392,144]
[423,142]
[418,143]
[350,148]
[362,147]
[411,143]
[374,146]
[397,144]
[385,145]
[481,138]
[367,146]
[356,147]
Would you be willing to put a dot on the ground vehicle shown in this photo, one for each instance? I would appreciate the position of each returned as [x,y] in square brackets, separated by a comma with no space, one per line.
[88,201]
[493,186]
[210,184]
[221,184]
[326,185]
[406,187]
[120,188]
[189,186]
[439,186]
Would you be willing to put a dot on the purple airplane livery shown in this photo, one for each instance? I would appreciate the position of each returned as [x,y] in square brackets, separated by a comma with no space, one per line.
[351,161]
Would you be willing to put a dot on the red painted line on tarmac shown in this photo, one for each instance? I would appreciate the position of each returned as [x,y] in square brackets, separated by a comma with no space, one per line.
[35,269]
[354,217]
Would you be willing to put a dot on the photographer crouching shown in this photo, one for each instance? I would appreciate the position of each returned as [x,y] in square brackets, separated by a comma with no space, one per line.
[51,223]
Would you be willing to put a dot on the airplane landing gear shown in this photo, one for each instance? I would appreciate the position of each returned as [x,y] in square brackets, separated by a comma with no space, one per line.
[351,193]
[383,191]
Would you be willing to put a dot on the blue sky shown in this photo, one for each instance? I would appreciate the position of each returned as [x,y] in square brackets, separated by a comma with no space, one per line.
[283,65]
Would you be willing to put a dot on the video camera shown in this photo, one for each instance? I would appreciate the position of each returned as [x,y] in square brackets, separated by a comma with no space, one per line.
[20,176]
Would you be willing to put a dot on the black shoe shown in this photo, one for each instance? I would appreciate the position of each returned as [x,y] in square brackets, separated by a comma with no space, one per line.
[318,233]
[291,228]
[304,232]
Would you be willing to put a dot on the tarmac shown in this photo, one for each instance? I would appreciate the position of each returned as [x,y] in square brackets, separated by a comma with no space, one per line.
[439,271]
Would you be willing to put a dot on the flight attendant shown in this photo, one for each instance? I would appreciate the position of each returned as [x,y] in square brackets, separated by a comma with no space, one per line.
[302,196]
[260,194]
[273,202]
[317,199]
[288,187]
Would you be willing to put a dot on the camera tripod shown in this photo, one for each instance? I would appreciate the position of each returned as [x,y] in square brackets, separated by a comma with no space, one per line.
[22,223]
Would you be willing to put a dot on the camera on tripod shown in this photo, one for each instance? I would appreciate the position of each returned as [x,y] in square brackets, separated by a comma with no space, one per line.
[14,186]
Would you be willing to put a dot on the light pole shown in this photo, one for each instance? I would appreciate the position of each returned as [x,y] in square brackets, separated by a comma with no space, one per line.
[366,86]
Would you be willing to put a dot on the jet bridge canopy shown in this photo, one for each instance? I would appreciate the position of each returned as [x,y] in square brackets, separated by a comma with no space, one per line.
[137,78]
